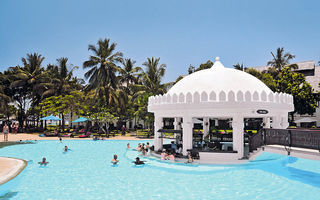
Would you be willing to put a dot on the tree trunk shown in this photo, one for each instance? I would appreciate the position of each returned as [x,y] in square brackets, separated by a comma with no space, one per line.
[62,122]
[71,114]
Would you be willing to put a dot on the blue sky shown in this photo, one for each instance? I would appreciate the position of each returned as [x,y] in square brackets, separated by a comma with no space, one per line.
[179,32]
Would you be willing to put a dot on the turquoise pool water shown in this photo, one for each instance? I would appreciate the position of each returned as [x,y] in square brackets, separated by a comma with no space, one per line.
[87,173]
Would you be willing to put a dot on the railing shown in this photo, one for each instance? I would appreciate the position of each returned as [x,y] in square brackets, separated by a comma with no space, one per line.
[256,140]
[309,139]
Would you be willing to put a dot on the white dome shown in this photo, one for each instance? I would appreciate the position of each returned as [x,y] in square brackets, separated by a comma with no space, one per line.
[217,79]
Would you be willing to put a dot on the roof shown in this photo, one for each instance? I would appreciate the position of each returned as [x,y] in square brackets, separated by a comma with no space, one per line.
[305,120]
[217,79]
[305,65]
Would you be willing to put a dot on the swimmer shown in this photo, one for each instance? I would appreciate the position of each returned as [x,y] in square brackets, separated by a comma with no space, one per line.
[190,159]
[114,160]
[66,148]
[138,161]
[60,139]
[44,161]
[128,146]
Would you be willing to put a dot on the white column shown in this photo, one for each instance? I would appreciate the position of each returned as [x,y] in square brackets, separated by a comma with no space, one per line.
[238,136]
[177,125]
[206,125]
[158,124]
[187,134]
[267,123]
[284,121]
[276,122]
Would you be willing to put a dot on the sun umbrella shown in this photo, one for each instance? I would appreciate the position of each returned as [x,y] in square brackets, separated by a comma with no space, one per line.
[51,117]
[81,119]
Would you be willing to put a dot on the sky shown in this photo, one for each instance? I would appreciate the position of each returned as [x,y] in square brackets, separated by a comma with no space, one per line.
[180,32]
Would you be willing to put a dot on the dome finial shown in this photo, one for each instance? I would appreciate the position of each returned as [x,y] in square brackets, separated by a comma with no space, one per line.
[217,64]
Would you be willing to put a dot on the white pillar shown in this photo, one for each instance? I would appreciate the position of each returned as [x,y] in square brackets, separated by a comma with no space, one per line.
[238,136]
[284,121]
[158,124]
[206,126]
[267,123]
[276,122]
[187,134]
[177,125]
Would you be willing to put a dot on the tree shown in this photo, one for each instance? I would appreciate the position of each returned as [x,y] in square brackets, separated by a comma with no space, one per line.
[191,69]
[62,80]
[206,65]
[239,66]
[280,59]
[129,74]
[27,83]
[102,75]
[266,78]
[103,118]
[295,84]
[4,98]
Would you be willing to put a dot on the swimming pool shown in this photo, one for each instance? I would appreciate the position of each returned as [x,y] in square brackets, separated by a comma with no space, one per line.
[87,173]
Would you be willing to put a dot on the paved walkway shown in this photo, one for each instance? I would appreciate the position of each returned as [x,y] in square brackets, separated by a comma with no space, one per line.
[10,168]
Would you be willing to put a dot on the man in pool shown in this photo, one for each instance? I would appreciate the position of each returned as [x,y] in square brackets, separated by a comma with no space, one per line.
[114,160]
[138,161]
[44,161]
[66,148]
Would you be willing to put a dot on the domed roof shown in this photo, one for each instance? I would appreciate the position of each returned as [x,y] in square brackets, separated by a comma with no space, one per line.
[217,79]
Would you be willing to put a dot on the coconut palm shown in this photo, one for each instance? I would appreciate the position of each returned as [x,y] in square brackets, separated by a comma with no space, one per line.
[30,76]
[62,80]
[280,59]
[102,75]
[4,98]
[129,74]
[151,78]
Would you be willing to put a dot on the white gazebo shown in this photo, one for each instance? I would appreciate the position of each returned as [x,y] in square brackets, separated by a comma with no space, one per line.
[219,92]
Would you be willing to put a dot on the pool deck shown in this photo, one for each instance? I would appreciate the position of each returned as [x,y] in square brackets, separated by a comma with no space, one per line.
[26,137]
[10,168]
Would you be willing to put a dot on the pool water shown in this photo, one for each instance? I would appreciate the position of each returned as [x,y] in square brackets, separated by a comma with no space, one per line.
[86,172]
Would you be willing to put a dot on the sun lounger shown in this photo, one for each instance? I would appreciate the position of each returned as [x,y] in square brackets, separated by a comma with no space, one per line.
[85,136]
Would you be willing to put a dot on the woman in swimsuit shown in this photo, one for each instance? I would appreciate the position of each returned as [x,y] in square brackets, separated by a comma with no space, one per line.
[5,132]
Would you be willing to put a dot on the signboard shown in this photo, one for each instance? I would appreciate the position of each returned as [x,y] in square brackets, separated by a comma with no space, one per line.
[262,112]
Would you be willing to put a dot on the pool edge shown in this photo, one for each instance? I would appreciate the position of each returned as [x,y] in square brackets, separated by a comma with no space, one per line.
[14,169]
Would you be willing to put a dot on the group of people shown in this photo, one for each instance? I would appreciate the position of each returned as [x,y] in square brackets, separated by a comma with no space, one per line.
[144,149]
[141,148]
[168,156]
[6,129]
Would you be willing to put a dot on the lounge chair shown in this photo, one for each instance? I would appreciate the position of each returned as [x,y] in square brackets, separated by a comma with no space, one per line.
[66,135]
[85,135]
[54,134]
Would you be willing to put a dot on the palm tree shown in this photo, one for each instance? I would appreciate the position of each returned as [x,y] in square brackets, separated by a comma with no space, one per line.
[152,77]
[62,80]
[102,75]
[280,59]
[4,98]
[28,82]
[129,73]
[239,66]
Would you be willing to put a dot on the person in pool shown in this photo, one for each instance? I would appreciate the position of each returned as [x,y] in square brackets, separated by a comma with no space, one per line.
[138,161]
[114,160]
[66,148]
[190,159]
[128,146]
[44,161]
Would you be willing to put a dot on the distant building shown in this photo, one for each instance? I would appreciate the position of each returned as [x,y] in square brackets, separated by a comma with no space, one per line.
[312,74]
